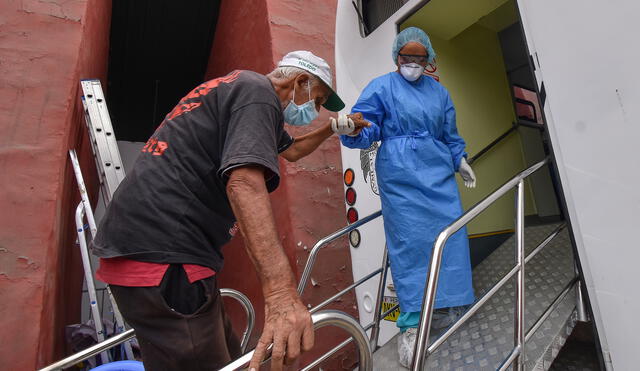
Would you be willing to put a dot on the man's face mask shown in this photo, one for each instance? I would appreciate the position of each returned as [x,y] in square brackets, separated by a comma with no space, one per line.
[411,71]
[300,115]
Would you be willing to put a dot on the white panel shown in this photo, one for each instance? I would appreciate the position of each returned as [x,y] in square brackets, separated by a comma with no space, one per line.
[587,56]
[357,61]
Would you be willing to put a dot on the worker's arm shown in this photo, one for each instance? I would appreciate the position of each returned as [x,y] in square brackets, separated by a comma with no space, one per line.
[287,321]
[304,145]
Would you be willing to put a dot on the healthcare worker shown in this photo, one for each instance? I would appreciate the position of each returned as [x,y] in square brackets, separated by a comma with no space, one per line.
[414,118]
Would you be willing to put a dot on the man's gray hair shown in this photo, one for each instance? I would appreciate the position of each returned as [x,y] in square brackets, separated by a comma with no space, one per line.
[286,72]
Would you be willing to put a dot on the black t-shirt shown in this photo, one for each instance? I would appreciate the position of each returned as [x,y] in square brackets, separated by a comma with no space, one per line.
[172,206]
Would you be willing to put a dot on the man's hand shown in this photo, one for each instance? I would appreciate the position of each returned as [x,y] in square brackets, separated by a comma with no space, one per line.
[359,122]
[288,326]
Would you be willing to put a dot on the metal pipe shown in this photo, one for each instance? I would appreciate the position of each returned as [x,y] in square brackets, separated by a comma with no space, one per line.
[375,332]
[507,362]
[581,309]
[119,321]
[248,309]
[428,300]
[489,146]
[88,278]
[328,354]
[130,334]
[306,274]
[518,332]
[322,319]
[474,308]
[91,351]
[344,291]
[545,242]
[551,308]
[471,311]
[83,192]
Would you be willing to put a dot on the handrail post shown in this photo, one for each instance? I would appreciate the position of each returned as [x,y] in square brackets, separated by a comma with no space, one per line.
[427,301]
[249,311]
[311,260]
[519,312]
[375,331]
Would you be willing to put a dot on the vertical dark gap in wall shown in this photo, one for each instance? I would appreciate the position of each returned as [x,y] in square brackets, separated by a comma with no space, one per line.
[159,50]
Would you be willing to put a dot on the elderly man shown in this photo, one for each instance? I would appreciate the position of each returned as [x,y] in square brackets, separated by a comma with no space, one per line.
[210,165]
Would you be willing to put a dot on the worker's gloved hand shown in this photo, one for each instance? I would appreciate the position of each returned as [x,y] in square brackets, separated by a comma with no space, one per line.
[343,125]
[467,174]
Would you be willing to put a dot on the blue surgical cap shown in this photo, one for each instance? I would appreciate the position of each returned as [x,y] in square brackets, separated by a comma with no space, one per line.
[412,34]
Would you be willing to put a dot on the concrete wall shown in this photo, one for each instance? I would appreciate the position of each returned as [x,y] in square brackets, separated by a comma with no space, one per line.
[45,48]
[308,203]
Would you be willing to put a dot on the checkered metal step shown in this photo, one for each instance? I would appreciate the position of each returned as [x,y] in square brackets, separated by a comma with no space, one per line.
[487,338]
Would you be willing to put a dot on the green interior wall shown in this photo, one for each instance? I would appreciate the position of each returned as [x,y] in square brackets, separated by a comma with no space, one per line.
[471,67]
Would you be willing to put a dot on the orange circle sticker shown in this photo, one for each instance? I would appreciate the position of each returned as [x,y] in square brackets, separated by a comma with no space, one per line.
[349,177]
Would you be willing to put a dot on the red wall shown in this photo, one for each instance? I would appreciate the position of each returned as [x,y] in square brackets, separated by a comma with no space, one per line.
[46,47]
[309,202]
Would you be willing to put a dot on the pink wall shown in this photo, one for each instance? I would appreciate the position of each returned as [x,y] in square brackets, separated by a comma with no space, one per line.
[309,202]
[45,48]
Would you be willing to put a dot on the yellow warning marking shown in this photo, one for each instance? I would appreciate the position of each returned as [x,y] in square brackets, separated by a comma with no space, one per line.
[388,303]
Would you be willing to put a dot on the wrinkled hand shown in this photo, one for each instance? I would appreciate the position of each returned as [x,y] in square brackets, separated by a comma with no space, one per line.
[288,326]
[467,174]
[343,125]
[359,123]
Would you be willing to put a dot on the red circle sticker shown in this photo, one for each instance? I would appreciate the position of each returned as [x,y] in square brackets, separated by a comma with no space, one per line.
[350,196]
[352,215]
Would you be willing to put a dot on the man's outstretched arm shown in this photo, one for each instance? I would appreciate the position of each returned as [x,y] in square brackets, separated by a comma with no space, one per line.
[287,321]
[305,144]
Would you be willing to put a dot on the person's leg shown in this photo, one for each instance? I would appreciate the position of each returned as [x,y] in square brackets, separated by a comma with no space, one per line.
[199,339]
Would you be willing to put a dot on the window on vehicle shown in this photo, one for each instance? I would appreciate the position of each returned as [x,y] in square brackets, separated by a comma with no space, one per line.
[527,105]
[373,13]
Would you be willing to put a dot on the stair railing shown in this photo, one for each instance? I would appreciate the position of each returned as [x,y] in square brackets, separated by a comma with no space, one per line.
[130,334]
[517,355]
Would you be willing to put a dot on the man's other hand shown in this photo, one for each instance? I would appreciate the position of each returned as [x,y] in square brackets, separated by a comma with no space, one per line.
[288,326]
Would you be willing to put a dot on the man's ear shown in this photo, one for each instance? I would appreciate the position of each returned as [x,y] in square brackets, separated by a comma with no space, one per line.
[301,80]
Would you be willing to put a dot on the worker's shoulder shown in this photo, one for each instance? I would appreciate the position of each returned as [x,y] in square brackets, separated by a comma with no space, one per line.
[379,83]
[432,83]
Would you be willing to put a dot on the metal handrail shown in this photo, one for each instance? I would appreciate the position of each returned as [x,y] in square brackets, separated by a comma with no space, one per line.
[322,319]
[130,334]
[91,351]
[489,146]
[476,306]
[421,351]
[306,274]
[249,311]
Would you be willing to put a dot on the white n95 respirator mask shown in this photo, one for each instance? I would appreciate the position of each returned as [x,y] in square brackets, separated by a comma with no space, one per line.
[411,71]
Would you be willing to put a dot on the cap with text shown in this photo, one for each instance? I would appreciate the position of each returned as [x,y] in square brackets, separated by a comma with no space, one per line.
[318,67]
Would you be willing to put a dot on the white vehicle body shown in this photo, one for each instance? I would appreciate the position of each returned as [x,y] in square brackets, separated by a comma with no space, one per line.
[584,54]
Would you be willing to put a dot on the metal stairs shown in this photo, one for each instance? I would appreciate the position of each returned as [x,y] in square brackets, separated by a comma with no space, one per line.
[486,339]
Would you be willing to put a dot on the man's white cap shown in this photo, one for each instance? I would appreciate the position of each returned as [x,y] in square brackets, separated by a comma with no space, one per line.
[318,67]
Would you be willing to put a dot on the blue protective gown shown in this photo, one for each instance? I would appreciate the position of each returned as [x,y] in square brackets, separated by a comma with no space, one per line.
[415,166]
